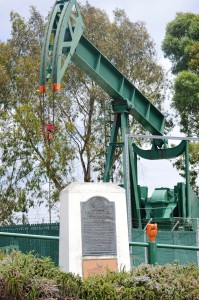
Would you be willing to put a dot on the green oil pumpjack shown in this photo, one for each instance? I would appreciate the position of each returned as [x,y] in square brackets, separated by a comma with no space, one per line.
[63,43]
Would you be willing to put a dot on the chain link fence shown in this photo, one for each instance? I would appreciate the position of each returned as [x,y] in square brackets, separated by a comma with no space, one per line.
[178,236]
[41,248]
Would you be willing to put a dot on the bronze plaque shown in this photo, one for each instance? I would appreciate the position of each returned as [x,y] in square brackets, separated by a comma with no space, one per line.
[98,266]
[98,227]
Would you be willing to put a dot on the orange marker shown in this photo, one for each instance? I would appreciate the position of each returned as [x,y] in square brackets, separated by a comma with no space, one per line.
[56,86]
[152,230]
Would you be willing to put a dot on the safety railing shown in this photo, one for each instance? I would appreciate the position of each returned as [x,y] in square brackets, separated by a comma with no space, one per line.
[30,236]
[152,246]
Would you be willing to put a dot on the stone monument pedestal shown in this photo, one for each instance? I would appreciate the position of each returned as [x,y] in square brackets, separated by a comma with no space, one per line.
[93,229]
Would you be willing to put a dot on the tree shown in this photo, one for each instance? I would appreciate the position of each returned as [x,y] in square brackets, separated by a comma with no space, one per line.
[26,165]
[180,45]
[186,101]
[181,40]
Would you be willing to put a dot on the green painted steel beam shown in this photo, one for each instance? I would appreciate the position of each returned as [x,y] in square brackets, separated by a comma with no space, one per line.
[112,146]
[127,98]
[188,204]
[155,154]
[124,130]
[48,44]
[180,190]
[30,236]
[135,203]
[70,29]
[63,31]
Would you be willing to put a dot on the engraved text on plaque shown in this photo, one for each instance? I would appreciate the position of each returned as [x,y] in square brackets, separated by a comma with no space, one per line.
[98,227]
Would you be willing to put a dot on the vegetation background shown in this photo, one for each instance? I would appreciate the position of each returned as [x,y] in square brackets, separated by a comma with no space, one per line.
[27,277]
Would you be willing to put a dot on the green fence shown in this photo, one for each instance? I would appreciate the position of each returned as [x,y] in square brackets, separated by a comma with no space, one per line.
[39,247]
[138,255]
[187,238]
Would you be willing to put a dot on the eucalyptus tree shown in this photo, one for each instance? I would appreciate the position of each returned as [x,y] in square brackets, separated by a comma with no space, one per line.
[181,46]
[27,162]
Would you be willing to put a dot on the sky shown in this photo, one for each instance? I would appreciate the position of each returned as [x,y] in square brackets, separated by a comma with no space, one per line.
[155,13]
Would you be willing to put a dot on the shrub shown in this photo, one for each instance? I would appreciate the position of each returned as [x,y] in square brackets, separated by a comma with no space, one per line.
[28,277]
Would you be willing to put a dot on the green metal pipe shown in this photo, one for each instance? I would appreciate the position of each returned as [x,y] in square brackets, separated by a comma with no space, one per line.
[178,247]
[30,236]
[139,244]
[187,179]
[169,246]
[152,253]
